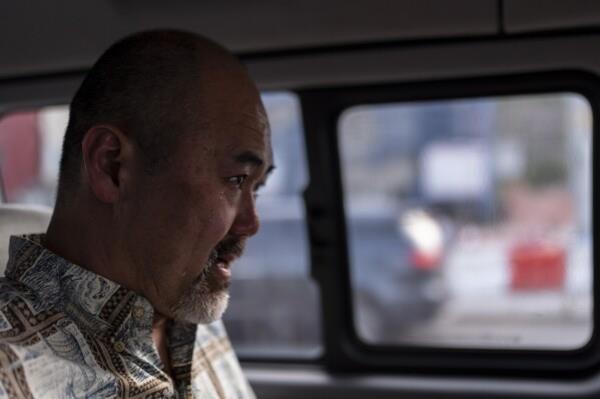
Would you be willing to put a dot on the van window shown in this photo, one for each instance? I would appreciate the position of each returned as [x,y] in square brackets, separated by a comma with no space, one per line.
[469,221]
[274,309]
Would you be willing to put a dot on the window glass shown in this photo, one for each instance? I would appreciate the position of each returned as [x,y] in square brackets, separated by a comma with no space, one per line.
[274,307]
[469,221]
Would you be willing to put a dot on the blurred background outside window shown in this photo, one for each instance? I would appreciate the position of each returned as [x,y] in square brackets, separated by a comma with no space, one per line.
[469,221]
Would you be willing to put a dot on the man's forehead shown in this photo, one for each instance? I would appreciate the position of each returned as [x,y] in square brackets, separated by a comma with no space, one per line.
[246,132]
[248,115]
[234,126]
[255,119]
[252,124]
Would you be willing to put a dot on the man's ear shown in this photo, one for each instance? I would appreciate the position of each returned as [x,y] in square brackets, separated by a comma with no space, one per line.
[104,151]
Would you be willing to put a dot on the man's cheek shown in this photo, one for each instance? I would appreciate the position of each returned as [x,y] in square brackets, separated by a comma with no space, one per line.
[220,215]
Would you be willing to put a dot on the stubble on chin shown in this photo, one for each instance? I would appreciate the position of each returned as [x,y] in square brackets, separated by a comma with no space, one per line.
[205,300]
[199,307]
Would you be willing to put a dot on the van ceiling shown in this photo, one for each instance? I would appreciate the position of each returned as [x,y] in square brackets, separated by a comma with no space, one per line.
[68,35]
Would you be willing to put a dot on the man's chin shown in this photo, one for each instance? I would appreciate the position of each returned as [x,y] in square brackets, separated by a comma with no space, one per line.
[201,309]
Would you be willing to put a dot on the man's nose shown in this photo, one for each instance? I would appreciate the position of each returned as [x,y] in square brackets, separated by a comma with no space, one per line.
[246,223]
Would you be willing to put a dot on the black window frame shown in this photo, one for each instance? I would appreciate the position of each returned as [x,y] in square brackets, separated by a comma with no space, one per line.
[324,199]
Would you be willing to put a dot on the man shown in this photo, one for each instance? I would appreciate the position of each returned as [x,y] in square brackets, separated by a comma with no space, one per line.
[166,145]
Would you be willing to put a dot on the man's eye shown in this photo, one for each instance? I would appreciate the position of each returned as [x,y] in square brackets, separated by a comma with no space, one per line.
[237,180]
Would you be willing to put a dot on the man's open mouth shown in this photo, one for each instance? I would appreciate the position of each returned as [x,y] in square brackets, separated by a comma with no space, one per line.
[223,264]
[227,252]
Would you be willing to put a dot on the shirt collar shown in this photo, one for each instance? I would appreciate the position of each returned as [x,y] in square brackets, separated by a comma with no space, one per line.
[101,306]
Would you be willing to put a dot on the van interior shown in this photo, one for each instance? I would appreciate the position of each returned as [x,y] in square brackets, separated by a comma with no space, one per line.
[429,231]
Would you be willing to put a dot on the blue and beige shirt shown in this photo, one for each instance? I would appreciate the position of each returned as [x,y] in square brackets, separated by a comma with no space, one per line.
[66,332]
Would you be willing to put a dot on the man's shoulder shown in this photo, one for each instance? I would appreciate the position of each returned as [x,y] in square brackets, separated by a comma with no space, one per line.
[15,294]
[43,353]
[20,315]
[21,312]
[12,292]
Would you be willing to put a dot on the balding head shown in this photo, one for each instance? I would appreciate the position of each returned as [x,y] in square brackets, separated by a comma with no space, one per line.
[167,143]
[151,85]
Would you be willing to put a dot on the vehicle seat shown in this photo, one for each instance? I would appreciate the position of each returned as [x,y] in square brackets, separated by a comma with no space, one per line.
[20,219]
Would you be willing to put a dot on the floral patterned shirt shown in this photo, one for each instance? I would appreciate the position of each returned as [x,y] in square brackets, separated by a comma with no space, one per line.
[66,332]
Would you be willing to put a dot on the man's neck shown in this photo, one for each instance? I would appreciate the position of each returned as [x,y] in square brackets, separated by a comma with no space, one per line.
[94,249]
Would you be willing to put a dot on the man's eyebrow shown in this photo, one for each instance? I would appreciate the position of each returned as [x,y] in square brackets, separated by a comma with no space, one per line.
[249,157]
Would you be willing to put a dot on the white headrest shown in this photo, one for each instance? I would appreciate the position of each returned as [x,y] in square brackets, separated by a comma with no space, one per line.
[20,219]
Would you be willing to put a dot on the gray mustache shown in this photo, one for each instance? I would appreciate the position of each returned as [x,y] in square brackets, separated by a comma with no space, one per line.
[229,246]
[232,246]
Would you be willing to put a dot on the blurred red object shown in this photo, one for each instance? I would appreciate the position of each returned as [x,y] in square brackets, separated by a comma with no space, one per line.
[19,153]
[425,261]
[537,266]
